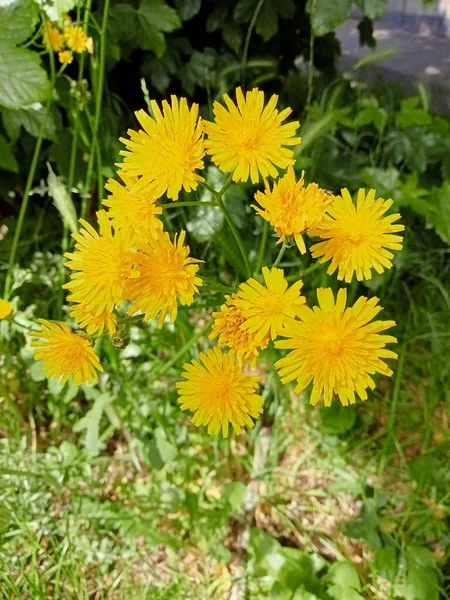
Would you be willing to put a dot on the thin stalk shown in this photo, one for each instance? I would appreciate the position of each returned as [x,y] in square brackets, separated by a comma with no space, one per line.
[28,185]
[262,247]
[311,59]
[98,108]
[247,40]
[188,203]
[280,255]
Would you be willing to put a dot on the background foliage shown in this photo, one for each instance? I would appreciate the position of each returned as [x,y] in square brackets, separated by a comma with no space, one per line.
[109,492]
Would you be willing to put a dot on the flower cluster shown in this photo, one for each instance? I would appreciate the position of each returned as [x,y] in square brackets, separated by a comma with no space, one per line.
[72,38]
[130,258]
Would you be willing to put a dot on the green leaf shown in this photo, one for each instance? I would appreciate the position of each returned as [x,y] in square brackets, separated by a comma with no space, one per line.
[90,423]
[7,159]
[18,21]
[373,9]
[411,115]
[345,581]
[234,494]
[160,449]
[365,526]
[421,577]
[124,23]
[62,200]
[386,563]
[337,419]
[267,21]
[371,114]
[326,15]
[22,79]
[150,38]
[244,9]
[31,120]
[188,8]
[159,15]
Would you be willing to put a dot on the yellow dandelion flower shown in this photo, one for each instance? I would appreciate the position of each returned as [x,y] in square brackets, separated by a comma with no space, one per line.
[167,275]
[138,211]
[291,208]
[53,38]
[167,151]
[95,324]
[266,308]
[75,38]
[357,238]
[5,308]
[65,57]
[337,348]
[219,392]
[65,354]
[90,45]
[248,139]
[227,327]
[103,262]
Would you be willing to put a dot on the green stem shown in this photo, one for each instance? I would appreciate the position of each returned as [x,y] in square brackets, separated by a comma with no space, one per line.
[219,200]
[98,108]
[28,185]
[280,255]
[187,203]
[247,40]
[311,59]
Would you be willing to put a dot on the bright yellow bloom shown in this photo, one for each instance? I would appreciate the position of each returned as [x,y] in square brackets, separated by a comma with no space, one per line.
[90,45]
[357,238]
[337,348]
[167,151]
[95,324]
[103,262]
[291,208]
[227,326]
[219,392]
[53,38]
[248,139]
[76,38]
[65,354]
[5,308]
[137,211]
[265,309]
[65,57]
[167,275]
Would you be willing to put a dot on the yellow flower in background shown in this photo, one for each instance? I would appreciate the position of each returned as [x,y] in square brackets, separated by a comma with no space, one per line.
[291,208]
[137,211]
[53,38]
[90,45]
[337,348]
[219,392]
[5,308]
[357,238]
[95,324]
[75,38]
[65,57]
[248,139]
[168,150]
[103,262]
[227,327]
[265,308]
[167,275]
[65,354]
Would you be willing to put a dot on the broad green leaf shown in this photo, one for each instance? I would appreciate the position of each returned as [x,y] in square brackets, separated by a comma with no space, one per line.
[421,578]
[160,450]
[22,79]
[267,21]
[31,120]
[90,423]
[188,8]
[149,37]
[124,23]
[326,15]
[62,200]
[234,494]
[7,159]
[373,9]
[159,15]
[386,563]
[442,223]
[411,114]
[18,21]
[345,582]
[337,419]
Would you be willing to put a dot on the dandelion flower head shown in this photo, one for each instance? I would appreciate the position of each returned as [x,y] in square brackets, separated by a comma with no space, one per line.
[249,139]
[53,38]
[167,275]
[337,348]
[228,328]
[357,238]
[65,354]
[265,308]
[75,38]
[65,57]
[5,308]
[291,208]
[138,211]
[219,392]
[102,264]
[167,151]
